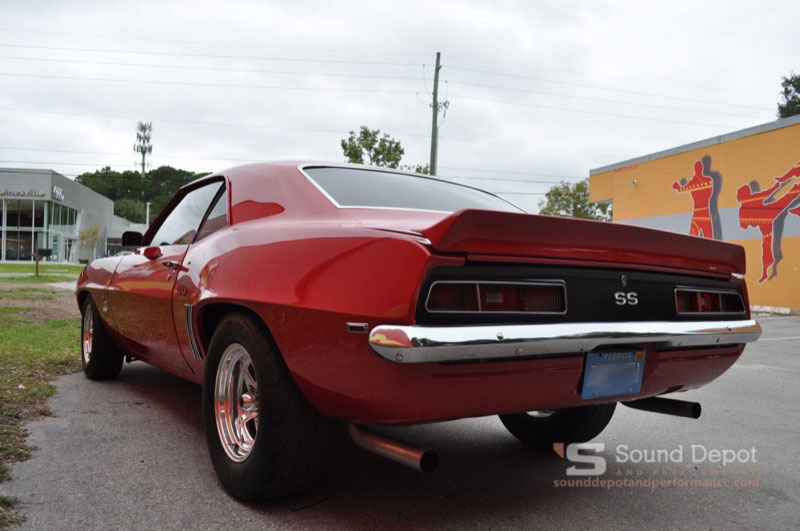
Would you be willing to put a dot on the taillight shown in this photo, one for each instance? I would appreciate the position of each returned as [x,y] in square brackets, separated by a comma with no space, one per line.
[488,297]
[698,300]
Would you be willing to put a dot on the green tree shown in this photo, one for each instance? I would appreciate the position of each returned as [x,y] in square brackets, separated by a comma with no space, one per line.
[571,200]
[89,238]
[128,190]
[791,96]
[130,209]
[368,147]
[424,169]
[113,184]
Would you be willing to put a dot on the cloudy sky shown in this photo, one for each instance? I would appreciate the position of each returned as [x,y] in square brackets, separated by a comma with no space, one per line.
[538,91]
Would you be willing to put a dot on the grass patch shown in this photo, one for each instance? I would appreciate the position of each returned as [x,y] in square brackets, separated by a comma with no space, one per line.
[32,294]
[33,352]
[8,515]
[41,279]
[66,269]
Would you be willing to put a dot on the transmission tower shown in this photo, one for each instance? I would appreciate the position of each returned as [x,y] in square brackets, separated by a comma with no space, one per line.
[143,145]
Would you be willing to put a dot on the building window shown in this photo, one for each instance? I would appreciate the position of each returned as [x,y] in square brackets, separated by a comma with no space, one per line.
[25,213]
[38,213]
[12,217]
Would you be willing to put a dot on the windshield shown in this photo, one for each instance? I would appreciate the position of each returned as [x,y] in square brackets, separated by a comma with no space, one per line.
[354,188]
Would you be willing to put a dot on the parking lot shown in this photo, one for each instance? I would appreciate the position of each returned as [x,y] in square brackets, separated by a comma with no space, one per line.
[131,454]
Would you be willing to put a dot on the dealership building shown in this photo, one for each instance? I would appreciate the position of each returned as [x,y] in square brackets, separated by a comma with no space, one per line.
[42,209]
[742,187]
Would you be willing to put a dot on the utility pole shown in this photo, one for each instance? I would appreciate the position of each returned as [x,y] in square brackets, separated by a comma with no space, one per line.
[435,120]
[147,215]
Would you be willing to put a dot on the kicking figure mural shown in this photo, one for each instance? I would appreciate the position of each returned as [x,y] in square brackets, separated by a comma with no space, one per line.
[761,210]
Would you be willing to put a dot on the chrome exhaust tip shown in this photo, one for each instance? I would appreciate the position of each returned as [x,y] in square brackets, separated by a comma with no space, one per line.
[394,449]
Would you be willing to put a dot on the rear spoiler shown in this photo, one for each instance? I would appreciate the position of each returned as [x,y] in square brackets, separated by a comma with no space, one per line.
[483,232]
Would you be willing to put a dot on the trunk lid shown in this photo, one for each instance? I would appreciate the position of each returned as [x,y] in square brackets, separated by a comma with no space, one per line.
[482,233]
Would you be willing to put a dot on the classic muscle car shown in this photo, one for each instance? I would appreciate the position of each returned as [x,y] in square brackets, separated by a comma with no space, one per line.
[302,294]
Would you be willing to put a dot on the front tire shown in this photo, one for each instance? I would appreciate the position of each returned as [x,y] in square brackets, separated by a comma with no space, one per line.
[540,429]
[100,357]
[265,440]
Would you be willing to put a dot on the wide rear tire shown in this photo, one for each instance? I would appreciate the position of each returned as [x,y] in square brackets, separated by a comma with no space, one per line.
[577,424]
[100,357]
[265,440]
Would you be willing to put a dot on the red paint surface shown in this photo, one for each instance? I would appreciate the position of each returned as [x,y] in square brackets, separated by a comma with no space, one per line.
[307,268]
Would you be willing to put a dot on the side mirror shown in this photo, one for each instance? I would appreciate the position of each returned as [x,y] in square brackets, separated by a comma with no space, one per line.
[131,238]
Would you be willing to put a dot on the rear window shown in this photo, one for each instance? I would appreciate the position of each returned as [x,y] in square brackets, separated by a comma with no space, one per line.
[353,188]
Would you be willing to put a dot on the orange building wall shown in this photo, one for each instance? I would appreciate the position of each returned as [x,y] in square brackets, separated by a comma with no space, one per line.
[643,194]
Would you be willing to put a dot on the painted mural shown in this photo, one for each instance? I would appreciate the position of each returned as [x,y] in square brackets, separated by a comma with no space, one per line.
[766,210]
[704,187]
[743,187]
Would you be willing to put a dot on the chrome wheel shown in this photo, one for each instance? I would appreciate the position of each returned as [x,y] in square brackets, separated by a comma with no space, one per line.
[88,332]
[541,413]
[236,402]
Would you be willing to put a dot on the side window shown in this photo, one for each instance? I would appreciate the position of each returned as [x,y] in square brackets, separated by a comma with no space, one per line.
[180,226]
[217,218]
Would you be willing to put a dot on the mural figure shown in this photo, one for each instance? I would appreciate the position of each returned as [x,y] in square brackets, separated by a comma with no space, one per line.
[760,209]
[704,187]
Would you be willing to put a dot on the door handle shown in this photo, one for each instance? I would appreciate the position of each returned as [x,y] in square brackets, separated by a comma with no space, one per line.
[171,264]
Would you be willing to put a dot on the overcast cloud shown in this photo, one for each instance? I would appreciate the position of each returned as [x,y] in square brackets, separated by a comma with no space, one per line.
[574,85]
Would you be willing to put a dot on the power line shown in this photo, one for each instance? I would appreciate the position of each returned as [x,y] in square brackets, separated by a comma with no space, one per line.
[190,122]
[208,68]
[505,180]
[123,154]
[595,87]
[613,76]
[515,193]
[377,52]
[507,172]
[597,113]
[371,91]
[356,76]
[216,85]
[52,162]
[602,100]
[331,131]
[207,56]
[535,148]
[252,160]
[212,43]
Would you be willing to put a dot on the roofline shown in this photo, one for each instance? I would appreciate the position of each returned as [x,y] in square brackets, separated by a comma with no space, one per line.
[30,170]
[750,131]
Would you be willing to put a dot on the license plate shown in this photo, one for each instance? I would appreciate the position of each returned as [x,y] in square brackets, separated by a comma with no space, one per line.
[613,373]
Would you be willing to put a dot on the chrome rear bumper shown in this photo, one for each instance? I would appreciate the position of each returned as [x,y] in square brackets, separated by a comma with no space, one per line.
[433,344]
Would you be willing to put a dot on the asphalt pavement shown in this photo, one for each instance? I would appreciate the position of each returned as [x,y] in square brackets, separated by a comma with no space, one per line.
[130,454]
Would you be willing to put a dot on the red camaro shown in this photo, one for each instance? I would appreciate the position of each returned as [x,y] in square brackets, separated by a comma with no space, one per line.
[300,293]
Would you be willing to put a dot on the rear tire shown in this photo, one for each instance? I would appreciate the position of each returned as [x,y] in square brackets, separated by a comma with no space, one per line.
[100,357]
[577,424]
[265,440]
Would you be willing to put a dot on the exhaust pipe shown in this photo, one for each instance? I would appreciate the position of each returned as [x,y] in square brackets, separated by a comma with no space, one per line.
[390,448]
[667,406]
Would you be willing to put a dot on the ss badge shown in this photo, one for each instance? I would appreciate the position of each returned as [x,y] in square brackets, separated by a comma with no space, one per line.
[630,298]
